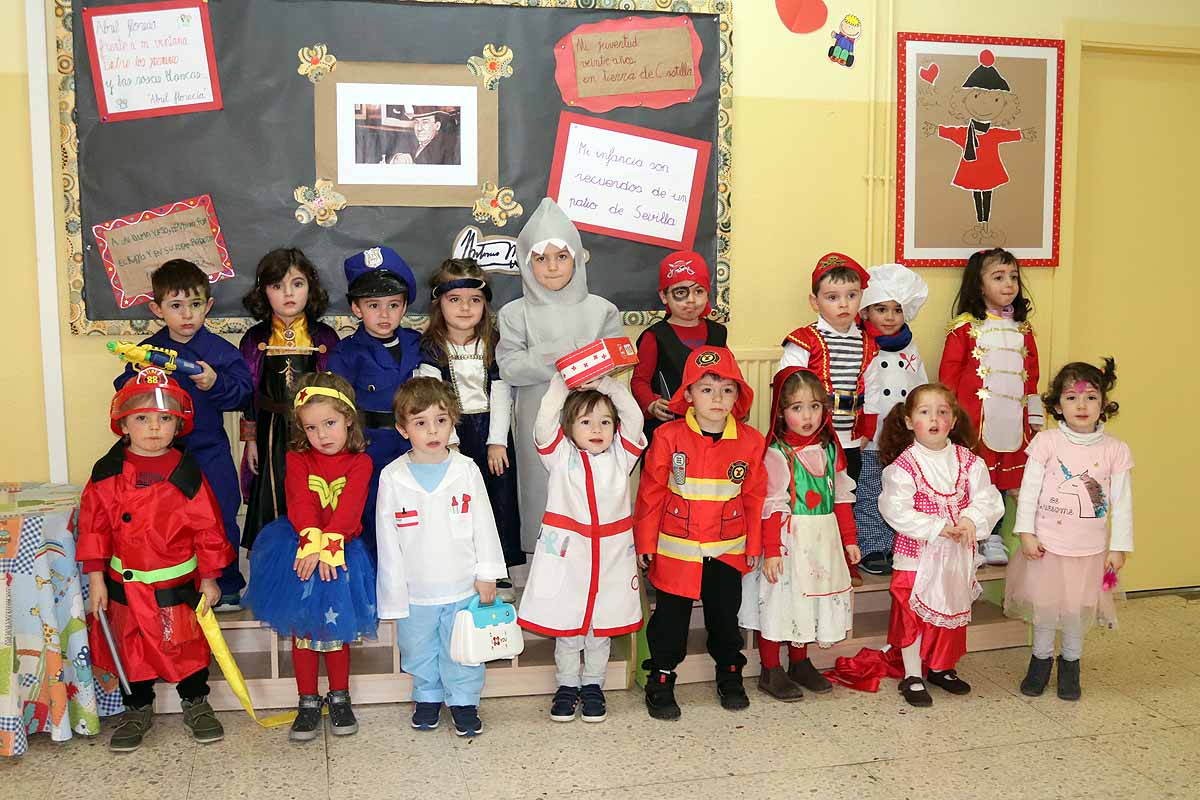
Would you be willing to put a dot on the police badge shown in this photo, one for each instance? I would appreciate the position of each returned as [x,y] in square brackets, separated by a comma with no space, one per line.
[373,258]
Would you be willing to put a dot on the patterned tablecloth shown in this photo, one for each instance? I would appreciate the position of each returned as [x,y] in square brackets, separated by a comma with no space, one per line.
[46,680]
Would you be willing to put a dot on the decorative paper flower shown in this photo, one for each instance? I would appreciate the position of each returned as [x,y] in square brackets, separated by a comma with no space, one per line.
[495,64]
[316,62]
[496,205]
[319,204]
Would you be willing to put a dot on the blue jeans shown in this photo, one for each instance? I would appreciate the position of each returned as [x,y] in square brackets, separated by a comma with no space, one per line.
[424,642]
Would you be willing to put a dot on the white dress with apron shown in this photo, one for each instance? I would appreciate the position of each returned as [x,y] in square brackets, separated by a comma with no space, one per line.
[811,600]
[584,573]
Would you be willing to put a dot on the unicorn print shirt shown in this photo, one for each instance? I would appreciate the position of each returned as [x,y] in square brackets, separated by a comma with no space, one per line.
[1074,486]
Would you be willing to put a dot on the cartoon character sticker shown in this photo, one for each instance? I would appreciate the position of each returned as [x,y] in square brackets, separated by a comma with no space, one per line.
[848,31]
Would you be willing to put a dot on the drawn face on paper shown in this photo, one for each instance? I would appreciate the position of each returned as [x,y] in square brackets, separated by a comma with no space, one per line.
[289,295]
[803,412]
[1080,405]
[1000,283]
[712,398]
[426,128]
[931,420]
[593,431]
[685,301]
[150,432]
[986,104]
[553,267]
[837,302]
[850,30]
[887,316]
[429,432]
[326,428]
[183,313]
[380,315]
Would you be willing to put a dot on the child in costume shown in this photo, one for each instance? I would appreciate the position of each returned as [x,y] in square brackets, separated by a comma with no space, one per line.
[182,300]
[459,347]
[663,348]
[378,357]
[1077,480]
[939,500]
[151,541]
[838,352]
[583,585]
[990,362]
[698,523]
[310,576]
[438,549]
[802,592]
[288,341]
[555,316]
[892,301]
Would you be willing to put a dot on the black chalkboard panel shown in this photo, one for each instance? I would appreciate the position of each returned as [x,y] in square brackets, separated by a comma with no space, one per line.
[251,155]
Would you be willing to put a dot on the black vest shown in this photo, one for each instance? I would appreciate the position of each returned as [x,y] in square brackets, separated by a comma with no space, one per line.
[672,356]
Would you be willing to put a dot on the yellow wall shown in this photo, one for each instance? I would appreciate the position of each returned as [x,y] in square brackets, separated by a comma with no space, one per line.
[804,155]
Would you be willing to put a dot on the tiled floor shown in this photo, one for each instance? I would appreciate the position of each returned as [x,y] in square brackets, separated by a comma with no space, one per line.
[1135,734]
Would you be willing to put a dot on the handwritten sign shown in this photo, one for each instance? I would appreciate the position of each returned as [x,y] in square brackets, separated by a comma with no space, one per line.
[152,59]
[133,246]
[629,182]
[491,253]
[629,62]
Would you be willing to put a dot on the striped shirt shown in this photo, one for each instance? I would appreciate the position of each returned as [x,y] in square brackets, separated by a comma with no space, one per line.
[845,365]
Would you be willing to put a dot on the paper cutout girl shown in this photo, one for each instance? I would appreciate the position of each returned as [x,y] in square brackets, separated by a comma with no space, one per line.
[989,103]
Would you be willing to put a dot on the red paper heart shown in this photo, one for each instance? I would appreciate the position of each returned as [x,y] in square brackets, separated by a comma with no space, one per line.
[802,16]
[812,499]
[929,74]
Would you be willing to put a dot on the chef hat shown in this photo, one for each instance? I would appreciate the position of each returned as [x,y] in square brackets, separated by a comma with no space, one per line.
[896,282]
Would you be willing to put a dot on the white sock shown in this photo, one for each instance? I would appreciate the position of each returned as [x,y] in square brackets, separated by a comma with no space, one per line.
[912,659]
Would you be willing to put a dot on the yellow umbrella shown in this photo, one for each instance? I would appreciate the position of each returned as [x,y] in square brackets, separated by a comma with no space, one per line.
[229,667]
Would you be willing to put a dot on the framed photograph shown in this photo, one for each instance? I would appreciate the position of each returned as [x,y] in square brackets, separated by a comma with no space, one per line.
[979,148]
[406,134]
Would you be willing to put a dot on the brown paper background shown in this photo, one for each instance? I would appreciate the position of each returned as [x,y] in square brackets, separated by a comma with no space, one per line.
[325,109]
[161,245]
[665,47]
[945,212]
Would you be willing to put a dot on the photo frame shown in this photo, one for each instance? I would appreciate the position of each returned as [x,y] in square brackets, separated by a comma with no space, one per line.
[406,134]
[979,148]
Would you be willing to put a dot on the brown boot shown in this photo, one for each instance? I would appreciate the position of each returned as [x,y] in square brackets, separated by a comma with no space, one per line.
[775,682]
[805,674]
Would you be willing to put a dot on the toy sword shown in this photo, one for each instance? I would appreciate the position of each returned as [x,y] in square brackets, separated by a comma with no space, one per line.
[112,648]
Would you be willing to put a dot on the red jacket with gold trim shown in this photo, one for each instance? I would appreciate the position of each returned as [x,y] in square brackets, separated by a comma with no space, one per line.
[148,528]
[810,339]
[699,498]
[960,367]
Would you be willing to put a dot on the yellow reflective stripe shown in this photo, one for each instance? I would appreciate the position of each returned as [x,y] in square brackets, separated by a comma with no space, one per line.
[705,489]
[687,550]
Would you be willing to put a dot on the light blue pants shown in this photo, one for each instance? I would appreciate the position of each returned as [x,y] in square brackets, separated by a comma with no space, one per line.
[424,642]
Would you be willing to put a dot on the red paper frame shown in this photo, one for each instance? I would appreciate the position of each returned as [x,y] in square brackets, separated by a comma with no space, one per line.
[101,233]
[564,70]
[696,195]
[902,40]
[163,111]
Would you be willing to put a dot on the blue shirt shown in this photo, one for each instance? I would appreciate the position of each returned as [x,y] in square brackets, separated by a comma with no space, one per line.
[429,475]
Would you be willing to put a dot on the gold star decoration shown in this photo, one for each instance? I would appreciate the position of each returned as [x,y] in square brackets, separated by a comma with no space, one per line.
[978,353]
[983,394]
[975,332]
[983,371]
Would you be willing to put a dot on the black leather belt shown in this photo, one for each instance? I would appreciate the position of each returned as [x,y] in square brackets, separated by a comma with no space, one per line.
[183,594]
[379,419]
[846,401]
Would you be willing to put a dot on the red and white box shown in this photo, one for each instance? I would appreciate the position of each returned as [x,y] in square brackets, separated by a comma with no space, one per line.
[600,358]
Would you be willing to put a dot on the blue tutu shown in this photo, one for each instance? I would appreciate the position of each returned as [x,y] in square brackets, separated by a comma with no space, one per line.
[342,610]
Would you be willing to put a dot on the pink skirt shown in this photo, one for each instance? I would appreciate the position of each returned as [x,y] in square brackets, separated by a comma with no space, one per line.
[1059,591]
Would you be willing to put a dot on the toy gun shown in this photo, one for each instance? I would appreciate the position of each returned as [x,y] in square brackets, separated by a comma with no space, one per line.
[147,355]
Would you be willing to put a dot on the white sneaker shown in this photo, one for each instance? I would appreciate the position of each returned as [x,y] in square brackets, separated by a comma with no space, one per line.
[993,551]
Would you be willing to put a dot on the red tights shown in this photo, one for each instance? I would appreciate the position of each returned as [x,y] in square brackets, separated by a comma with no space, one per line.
[306,662]
[770,652]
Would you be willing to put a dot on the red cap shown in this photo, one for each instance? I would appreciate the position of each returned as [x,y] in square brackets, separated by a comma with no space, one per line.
[719,361]
[154,382]
[831,261]
[684,266]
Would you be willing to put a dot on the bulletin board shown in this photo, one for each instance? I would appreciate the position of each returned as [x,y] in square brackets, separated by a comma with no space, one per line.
[246,164]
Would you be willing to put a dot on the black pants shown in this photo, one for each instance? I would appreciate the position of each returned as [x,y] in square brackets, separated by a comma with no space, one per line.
[983,205]
[192,687]
[853,462]
[721,595]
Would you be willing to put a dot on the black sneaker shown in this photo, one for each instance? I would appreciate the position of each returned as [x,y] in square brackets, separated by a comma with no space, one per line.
[730,689]
[660,694]
[341,714]
[566,699]
[426,716]
[949,680]
[308,718]
[594,707]
[466,720]
[876,564]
